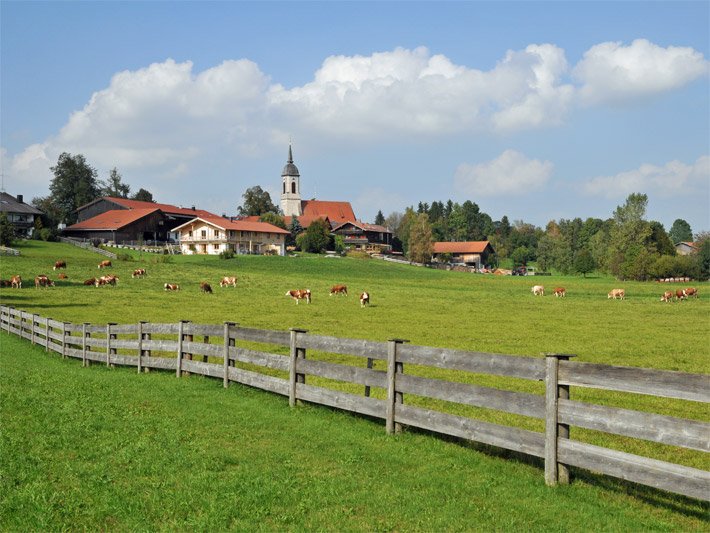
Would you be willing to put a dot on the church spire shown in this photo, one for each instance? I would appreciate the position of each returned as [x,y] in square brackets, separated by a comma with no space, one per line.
[290,155]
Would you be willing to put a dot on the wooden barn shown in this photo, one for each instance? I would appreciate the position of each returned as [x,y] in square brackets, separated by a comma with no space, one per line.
[472,253]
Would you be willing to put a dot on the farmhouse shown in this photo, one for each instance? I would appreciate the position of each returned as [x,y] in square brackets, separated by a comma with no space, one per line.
[686,248]
[366,237]
[19,214]
[474,253]
[126,221]
[212,234]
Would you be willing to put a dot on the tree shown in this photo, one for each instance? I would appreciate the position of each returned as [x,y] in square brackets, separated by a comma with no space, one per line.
[659,239]
[256,202]
[114,185]
[584,262]
[74,184]
[521,255]
[295,228]
[380,219]
[316,237]
[680,231]
[420,243]
[628,238]
[273,219]
[143,196]
[704,259]
[51,217]
[7,230]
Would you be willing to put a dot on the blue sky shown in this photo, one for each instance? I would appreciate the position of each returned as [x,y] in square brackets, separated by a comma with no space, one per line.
[534,110]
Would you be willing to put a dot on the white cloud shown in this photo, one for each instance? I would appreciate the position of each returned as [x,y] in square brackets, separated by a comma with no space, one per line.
[613,72]
[511,173]
[673,179]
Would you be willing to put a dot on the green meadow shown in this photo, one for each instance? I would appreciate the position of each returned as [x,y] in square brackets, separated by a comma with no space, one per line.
[149,448]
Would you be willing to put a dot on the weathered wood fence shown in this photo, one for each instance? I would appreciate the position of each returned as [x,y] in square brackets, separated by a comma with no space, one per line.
[174,347]
[86,245]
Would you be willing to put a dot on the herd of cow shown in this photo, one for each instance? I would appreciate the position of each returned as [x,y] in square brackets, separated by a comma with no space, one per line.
[680,294]
[111,279]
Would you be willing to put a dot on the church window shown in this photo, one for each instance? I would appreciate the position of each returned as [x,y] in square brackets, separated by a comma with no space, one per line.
[293,187]
[284,187]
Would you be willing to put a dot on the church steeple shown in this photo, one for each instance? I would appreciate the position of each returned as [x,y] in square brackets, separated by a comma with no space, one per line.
[291,188]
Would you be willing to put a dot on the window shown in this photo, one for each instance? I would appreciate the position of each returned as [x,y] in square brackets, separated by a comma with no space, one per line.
[190,233]
[284,187]
[293,187]
[203,233]
[216,234]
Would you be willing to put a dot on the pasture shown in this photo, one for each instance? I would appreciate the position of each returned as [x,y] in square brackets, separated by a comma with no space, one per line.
[427,307]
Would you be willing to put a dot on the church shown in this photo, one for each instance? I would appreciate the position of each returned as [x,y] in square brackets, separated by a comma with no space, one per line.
[339,215]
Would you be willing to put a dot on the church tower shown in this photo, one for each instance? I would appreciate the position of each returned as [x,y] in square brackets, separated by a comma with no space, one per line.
[290,188]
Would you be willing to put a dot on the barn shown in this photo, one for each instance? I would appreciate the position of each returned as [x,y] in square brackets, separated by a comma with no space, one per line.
[472,253]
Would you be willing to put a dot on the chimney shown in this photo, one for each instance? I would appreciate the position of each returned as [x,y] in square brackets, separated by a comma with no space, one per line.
[193,208]
[19,198]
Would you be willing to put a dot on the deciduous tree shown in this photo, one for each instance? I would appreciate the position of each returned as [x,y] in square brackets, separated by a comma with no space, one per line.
[680,231]
[257,201]
[74,184]
[114,185]
[420,241]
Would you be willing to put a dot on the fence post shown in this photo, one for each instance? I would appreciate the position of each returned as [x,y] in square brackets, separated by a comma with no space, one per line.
[32,330]
[295,353]
[9,317]
[140,346]
[188,338]
[109,336]
[84,335]
[181,328]
[367,387]
[5,313]
[205,340]
[147,353]
[46,335]
[555,472]
[393,397]
[225,352]
[64,339]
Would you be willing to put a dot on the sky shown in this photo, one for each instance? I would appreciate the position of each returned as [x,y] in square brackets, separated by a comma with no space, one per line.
[533,110]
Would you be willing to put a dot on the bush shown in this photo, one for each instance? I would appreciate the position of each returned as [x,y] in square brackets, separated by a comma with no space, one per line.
[124,257]
[226,254]
[162,259]
[47,235]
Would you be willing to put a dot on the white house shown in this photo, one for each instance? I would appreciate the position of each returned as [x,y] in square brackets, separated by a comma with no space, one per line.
[215,234]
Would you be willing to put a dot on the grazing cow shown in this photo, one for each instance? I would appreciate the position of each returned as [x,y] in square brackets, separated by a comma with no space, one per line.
[16,282]
[680,294]
[226,281]
[339,289]
[109,279]
[205,287]
[616,293]
[667,296]
[171,287]
[690,291]
[59,264]
[43,281]
[63,276]
[90,281]
[538,290]
[300,294]
[138,273]
[560,292]
[104,264]
[364,299]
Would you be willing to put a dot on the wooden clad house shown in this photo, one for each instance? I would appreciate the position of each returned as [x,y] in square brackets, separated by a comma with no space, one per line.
[365,237]
[472,253]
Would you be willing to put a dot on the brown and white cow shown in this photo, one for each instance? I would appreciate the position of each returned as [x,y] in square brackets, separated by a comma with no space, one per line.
[109,279]
[43,281]
[59,264]
[616,293]
[16,282]
[138,273]
[171,287]
[680,294]
[667,296]
[560,292]
[63,276]
[538,290]
[300,294]
[364,299]
[90,281]
[104,264]
[226,281]
[205,287]
[690,291]
[339,289]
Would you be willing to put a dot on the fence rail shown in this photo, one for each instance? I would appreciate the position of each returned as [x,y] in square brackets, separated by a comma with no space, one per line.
[88,246]
[179,348]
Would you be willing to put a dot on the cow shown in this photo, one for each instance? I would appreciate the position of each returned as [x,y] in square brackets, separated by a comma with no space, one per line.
[364,299]
[616,293]
[560,292]
[205,287]
[538,290]
[680,294]
[104,264]
[16,282]
[43,281]
[226,281]
[171,287]
[109,279]
[339,289]
[300,294]
[59,264]
[138,273]
[690,291]
[63,276]
[667,296]
[90,281]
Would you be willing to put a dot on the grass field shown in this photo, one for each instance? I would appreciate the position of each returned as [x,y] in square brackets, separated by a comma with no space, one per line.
[428,307]
[103,449]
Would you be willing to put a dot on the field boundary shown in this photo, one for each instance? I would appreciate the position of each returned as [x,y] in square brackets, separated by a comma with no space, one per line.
[88,246]
[177,347]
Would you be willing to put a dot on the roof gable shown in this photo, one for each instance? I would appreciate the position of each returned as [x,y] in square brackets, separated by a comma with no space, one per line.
[9,204]
[469,247]
[337,212]
[114,219]
[237,225]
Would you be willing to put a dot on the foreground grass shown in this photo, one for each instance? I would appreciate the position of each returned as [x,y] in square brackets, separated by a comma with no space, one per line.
[106,449]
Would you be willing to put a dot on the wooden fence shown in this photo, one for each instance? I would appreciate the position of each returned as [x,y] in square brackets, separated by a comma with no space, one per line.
[86,245]
[174,347]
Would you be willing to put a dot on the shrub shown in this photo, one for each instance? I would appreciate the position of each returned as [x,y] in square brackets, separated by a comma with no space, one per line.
[226,254]
[124,257]
[162,259]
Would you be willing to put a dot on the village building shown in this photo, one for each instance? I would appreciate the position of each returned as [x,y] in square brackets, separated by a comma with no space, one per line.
[365,237]
[686,248]
[212,234]
[471,253]
[20,215]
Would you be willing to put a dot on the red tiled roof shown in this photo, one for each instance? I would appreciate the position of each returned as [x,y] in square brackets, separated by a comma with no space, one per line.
[364,226]
[238,225]
[165,208]
[337,212]
[112,220]
[470,247]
